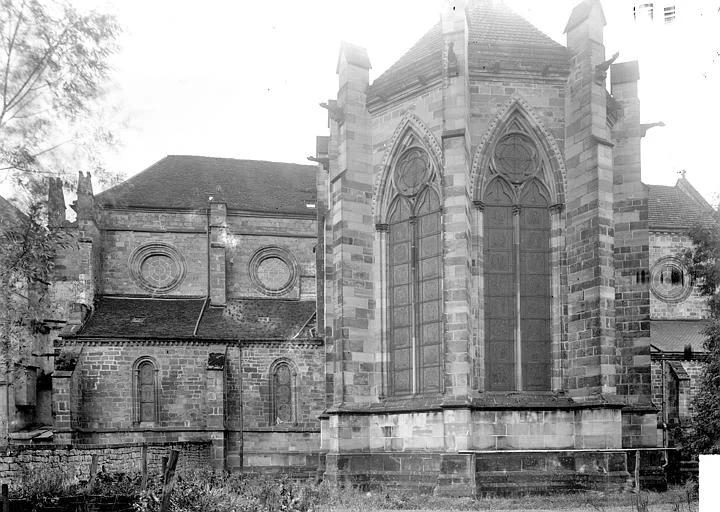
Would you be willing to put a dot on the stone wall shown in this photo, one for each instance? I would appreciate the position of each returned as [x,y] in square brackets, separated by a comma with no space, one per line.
[248,235]
[17,460]
[118,246]
[308,388]
[105,384]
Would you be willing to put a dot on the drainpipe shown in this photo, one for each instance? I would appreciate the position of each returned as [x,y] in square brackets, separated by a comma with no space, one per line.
[664,403]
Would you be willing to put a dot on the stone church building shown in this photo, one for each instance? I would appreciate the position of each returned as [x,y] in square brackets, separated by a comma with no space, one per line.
[471,291]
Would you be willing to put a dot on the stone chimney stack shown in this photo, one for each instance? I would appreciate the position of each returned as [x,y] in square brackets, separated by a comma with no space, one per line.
[590,242]
[56,203]
[85,205]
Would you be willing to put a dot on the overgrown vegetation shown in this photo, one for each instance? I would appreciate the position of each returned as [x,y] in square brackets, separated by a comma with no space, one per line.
[27,248]
[205,491]
[54,109]
[703,262]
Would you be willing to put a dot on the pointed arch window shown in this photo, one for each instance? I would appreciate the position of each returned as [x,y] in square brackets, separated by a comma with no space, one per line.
[517,286]
[414,247]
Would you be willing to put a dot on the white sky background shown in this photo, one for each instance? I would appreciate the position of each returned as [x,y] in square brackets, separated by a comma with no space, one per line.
[243,79]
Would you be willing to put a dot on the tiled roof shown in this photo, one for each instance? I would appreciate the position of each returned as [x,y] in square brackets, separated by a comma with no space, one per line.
[176,318]
[161,318]
[179,181]
[673,335]
[671,208]
[498,34]
[497,37]
[257,319]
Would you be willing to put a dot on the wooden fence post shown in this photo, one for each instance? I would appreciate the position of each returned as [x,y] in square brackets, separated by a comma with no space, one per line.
[93,471]
[143,466]
[169,481]
[5,498]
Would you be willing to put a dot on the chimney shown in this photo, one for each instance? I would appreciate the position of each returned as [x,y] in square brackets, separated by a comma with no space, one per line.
[56,203]
[85,205]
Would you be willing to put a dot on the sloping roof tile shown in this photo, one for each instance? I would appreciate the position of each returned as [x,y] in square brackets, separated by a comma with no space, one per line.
[145,318]
[244,319]
[179,181]
[496,35]
[671,208]
[673,335]
[257,319]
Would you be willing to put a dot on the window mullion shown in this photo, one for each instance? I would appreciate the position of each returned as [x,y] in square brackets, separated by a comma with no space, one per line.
[518,331]
[414,301]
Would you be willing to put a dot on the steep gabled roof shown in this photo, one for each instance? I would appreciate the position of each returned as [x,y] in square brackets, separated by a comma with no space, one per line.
[676,208]
[179,181]
[498,39]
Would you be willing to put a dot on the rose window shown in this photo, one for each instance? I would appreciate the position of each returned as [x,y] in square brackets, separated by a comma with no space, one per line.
[273,273]
[157,267]
[516,157]
[158,270]
[412,172]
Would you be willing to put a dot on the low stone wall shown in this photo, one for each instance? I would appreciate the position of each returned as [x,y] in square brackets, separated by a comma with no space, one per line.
[17,460]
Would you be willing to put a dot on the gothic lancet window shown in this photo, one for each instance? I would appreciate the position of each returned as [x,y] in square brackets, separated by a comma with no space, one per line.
[146,391]
[414,278]
[517,274]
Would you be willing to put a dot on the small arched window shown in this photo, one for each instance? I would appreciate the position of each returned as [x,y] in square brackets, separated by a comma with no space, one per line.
[282,393]
[145,386]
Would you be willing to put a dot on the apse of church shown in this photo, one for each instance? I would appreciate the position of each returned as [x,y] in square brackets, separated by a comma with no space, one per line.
[458,298]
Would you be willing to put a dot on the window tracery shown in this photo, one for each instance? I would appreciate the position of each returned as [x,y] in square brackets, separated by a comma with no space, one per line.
[414,248]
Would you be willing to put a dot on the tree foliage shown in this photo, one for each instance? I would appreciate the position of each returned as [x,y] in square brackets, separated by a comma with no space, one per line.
[27,248]
[53,75]
[703,262]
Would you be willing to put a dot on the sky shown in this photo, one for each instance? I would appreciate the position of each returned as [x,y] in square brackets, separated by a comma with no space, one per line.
[244,79]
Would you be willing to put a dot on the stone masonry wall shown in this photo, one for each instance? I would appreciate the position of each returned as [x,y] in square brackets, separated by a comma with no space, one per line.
[119,245]
[105,390]
[17,460]
[695,306]
[267,446]
[309,389]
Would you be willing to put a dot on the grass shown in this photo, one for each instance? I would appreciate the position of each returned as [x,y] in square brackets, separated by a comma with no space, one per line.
[676,499]
[205,491]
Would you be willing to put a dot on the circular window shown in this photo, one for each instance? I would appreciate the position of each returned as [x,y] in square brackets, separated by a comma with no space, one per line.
[412,172]
[157,267]
[669,280]
[516,157]
[273,270]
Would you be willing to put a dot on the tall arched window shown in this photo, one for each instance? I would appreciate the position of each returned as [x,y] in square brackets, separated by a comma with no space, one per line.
[145,391]
[517,272]
[414,278]
[282,393]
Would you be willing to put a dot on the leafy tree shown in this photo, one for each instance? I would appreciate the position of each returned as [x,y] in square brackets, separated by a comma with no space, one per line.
[703,262]
[53,78]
